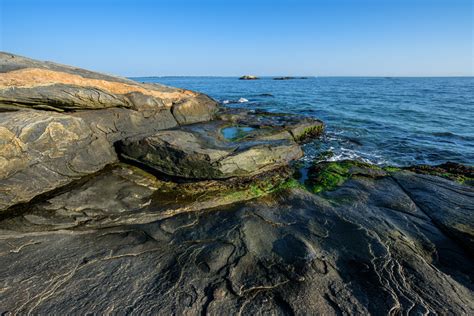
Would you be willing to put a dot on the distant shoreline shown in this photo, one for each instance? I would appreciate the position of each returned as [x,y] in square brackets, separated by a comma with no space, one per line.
[307,77]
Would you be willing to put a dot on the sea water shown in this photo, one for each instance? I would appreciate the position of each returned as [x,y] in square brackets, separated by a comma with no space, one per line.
[387,121]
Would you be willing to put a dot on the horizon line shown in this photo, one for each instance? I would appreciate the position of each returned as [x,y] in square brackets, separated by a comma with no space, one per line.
[306,77]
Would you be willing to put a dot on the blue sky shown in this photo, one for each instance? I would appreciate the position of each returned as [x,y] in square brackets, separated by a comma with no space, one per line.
[228,37]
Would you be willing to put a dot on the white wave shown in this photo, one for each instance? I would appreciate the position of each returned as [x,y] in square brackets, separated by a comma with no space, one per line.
[350,154]
[241,100]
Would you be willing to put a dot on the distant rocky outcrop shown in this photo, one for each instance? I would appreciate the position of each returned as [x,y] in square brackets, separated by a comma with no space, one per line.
[249,77]
[289,78]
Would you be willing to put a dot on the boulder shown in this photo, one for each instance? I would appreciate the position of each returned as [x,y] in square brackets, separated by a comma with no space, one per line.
[194,110]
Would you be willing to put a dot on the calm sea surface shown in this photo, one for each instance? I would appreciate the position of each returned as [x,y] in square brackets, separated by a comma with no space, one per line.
[387,121]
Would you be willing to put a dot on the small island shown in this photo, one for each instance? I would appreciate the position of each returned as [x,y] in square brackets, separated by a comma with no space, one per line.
[289,78]
[249,77]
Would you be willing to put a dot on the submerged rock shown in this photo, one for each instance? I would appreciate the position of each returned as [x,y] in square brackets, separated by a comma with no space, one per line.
[289,78]
[284,78]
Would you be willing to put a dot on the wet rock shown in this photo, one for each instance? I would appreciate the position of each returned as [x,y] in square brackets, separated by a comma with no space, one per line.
[449,170]
[300,127]
[324,176]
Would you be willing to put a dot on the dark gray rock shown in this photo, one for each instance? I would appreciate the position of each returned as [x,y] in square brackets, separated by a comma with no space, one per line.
[364,248]
[185,154]
[449,205]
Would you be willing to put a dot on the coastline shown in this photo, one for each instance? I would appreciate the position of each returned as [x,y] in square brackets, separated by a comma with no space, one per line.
[139,201]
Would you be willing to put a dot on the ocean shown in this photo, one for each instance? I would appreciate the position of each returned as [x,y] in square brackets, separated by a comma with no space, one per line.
[385,121]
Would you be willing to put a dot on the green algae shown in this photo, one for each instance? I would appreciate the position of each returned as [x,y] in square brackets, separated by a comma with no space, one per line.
[222,192]
[391,169]
[462,174]
[330,176]
[327,176]
[309,132]
[257,190]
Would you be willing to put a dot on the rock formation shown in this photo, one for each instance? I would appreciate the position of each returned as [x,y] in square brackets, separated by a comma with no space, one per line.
[120,197]
[249,77]
[60,123]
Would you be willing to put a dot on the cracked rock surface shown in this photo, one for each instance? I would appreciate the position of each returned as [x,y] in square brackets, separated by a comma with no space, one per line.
[374,245]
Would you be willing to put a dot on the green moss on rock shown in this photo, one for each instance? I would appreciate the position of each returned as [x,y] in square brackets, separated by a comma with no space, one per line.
[223,192]
[391,169]
[309,132]
[327,176]
[453,171]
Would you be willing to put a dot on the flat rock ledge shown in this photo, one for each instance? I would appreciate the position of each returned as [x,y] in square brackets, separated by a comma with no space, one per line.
[377,241]
[223,148]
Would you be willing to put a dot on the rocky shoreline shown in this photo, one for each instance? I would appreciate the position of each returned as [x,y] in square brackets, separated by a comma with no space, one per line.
[122,197]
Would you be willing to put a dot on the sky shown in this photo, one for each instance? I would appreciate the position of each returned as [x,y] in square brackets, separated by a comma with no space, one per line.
[233,38]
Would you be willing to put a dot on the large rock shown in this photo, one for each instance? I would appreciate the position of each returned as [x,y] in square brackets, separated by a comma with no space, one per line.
[449,206]
[223,148]
[44,85]
[364,247]
[41,149]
